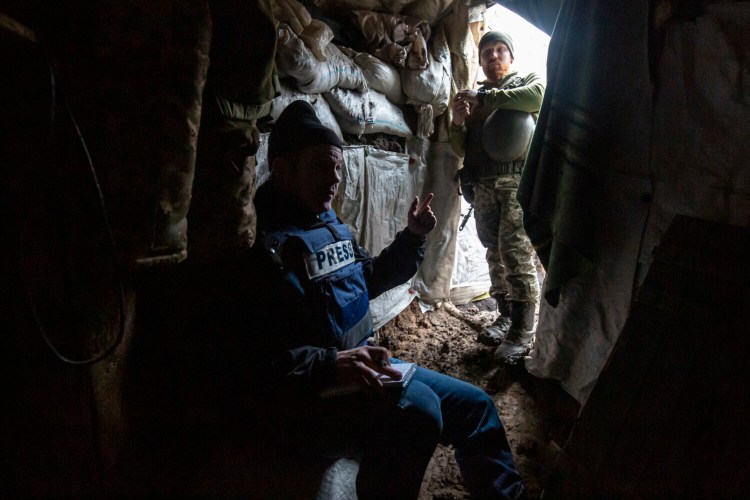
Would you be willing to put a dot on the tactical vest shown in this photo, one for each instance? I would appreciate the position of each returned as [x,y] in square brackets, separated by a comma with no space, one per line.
[320,262]
[477,162]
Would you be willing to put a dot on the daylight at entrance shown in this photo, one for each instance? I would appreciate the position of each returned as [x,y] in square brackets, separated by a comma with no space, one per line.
[530,43]
[470,277]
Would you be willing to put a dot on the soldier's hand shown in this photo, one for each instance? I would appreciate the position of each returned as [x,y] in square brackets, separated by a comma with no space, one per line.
[462,105]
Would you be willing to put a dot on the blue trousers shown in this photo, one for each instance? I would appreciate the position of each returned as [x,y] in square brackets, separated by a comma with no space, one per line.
[396,435]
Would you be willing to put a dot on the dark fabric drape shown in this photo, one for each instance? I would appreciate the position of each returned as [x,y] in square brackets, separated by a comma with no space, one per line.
[585,188]
[598,73]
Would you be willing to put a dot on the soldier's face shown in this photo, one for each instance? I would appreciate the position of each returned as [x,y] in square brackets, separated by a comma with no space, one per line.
[495,60]
[314,177]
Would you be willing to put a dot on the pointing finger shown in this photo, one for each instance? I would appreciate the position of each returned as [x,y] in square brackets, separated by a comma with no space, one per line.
[426,203]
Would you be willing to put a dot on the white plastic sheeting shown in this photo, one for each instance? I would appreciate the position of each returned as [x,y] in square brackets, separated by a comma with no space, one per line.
[433,281]
[374,197]
[471,274]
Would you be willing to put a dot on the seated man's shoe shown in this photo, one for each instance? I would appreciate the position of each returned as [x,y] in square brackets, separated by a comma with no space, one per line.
[494,334]
[520,337]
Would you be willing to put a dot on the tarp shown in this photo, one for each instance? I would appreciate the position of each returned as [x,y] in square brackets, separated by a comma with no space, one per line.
[376,191]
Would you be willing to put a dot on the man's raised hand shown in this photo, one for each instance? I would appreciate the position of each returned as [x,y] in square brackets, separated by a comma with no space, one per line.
[421,218]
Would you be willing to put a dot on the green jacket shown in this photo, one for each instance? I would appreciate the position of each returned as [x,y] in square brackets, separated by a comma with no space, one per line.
[508,93]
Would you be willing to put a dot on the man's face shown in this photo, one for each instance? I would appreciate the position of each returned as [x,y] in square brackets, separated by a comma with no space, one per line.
[495,60]
[312,176]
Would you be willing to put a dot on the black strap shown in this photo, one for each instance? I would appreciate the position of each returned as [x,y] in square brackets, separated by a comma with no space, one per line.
[506,168]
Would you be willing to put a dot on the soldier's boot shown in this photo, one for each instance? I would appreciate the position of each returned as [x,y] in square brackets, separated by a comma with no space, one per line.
[494,334]
[520,337]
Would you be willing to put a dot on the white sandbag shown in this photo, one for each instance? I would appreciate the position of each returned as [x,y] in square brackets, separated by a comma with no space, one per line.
[366,113]
[380,76]
[428,86]
[295,59]
[289,95]
[429,89]
[317,36]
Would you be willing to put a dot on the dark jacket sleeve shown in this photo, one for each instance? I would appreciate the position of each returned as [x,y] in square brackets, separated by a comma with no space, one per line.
[395,265]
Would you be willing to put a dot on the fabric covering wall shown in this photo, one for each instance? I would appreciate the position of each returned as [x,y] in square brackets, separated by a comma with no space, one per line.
[621,148]
[701,131]
[376,191]
[586,185]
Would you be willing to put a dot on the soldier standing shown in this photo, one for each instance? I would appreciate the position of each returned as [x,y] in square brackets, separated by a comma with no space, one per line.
[491,128]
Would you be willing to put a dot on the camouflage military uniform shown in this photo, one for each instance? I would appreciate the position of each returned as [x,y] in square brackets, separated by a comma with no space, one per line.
[492,133]
[510,255]
[499,217]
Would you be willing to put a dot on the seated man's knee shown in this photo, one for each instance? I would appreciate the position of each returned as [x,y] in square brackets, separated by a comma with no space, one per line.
[421,406]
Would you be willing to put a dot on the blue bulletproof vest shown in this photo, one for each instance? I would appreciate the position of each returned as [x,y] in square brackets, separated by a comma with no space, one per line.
[320,262]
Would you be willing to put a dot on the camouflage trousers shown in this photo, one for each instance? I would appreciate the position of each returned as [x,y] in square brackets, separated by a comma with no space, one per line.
[510,255]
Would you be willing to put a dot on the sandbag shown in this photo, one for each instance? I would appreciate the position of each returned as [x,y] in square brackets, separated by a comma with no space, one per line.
[429,89]
[380,76]
[292,13]
[431,85]
[294,59]
[399,40]
[317,35]
[289,95]
[366,113]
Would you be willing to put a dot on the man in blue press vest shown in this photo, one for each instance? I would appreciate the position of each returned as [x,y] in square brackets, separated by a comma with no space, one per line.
[311,285]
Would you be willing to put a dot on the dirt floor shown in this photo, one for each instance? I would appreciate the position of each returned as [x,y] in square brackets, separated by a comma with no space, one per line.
[537,415]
